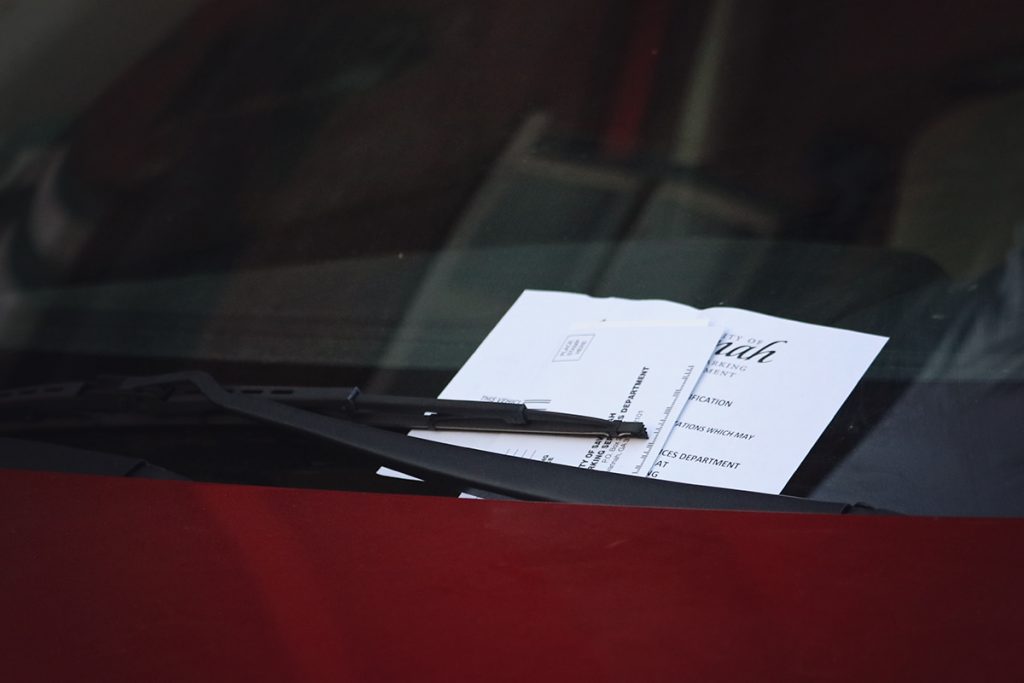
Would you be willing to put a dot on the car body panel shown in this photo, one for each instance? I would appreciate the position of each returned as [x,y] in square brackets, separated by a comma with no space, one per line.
[120,579]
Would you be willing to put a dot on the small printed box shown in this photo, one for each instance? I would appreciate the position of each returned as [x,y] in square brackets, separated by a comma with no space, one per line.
[573,348]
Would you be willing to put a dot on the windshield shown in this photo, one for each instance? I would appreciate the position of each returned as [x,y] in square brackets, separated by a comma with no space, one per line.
[326,193]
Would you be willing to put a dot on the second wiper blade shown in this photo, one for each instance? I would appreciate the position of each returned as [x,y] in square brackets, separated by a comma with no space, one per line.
[154,397]
[520,478]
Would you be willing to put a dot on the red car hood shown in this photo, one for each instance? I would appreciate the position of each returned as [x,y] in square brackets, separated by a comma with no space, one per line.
[119,579]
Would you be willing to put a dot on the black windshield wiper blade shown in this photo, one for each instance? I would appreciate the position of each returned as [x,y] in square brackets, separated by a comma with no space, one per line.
[515,477]
[155,397]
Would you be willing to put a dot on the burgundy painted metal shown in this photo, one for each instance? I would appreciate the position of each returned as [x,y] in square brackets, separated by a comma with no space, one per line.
[118,579]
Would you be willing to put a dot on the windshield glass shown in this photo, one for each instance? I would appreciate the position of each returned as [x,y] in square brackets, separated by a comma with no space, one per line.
[331,193]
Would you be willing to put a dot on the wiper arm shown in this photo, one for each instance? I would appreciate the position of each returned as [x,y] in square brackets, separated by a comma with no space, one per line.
[515,477]
[178,395]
